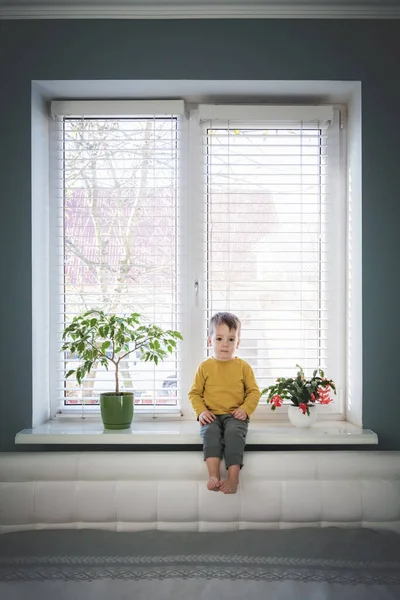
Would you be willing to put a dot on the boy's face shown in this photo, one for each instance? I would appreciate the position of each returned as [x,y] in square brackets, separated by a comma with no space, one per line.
[224,342]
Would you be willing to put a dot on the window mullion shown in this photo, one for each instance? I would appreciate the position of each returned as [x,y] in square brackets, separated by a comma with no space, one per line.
[193,345]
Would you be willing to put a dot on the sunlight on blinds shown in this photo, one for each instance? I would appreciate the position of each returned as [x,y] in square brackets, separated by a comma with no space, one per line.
[267,218]
[118,233]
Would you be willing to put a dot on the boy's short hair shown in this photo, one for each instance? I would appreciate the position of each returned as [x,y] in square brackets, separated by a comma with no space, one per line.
[224,318]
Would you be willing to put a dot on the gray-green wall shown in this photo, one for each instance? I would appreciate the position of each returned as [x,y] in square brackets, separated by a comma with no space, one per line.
[367,51]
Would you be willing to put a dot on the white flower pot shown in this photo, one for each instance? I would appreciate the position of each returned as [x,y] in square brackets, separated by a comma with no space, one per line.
[298,419]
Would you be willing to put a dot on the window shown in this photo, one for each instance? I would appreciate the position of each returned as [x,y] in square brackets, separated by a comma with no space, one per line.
[179,214]
[118,238]
[270,243]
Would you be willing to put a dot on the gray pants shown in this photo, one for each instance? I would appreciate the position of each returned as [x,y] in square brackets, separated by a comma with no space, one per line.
[226,436]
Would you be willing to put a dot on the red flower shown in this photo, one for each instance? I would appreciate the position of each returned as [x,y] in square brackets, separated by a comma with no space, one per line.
[303,407]
[324,396]
[312,397]
[276,401]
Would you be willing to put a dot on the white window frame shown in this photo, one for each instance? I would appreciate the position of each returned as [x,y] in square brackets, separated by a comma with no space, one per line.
[192,228]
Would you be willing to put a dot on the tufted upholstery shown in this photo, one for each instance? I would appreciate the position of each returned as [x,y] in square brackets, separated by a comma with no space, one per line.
[134,491]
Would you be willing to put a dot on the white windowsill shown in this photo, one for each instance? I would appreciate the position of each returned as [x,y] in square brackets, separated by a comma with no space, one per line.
[153,432]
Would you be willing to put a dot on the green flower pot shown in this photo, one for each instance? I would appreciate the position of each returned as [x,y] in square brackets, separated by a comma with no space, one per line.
[116,410]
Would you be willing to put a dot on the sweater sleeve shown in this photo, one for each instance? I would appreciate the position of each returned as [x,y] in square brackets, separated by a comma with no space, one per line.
[251,391]
[196,392]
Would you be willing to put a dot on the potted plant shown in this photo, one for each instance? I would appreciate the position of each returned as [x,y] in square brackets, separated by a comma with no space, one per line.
[303,393]
[96,337]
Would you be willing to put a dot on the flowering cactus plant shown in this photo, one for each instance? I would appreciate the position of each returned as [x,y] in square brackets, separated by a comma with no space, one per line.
[302,392]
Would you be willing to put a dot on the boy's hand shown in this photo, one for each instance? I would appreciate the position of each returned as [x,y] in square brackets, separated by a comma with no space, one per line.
[206,417]
[239,413]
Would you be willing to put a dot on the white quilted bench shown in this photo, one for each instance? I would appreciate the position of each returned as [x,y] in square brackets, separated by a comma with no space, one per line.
[132,491]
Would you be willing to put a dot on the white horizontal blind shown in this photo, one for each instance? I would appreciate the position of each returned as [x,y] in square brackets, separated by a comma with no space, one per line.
[118,237]
[268,225]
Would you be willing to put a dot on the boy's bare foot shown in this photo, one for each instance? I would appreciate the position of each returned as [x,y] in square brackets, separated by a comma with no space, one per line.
[213,484]
[229,486]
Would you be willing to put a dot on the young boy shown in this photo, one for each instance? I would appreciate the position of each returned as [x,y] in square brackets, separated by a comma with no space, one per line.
[224,394]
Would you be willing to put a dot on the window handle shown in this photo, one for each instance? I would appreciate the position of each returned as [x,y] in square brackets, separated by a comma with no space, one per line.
[196,293]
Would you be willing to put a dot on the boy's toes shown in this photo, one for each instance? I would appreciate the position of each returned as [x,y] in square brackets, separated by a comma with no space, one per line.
[213,484]
[229,487]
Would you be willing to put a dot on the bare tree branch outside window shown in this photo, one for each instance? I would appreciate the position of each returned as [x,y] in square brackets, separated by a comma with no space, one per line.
[120,227]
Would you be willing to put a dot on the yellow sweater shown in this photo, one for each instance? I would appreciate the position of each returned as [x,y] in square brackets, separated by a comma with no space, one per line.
[221,386]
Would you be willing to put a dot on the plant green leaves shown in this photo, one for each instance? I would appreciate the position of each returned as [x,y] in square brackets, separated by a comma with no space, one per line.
[299,390]
[105,345]
[97,337]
